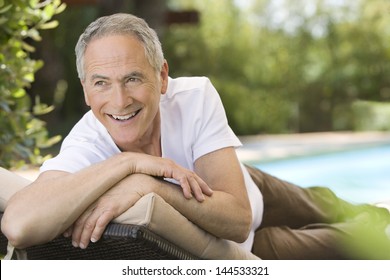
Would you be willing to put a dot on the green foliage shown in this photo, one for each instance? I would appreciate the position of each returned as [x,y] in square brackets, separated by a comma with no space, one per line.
[371,115]
[296,67]
[22,134]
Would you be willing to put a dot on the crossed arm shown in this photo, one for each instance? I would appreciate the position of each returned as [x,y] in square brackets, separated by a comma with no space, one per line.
[82,204]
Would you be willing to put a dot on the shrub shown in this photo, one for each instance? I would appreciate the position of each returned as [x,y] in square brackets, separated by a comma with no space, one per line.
[22,133]
[371,115]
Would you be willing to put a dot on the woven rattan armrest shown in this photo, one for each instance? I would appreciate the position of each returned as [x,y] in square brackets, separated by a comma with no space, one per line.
[119,242]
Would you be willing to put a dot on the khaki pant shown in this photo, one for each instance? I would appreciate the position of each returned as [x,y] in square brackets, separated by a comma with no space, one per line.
[313,223]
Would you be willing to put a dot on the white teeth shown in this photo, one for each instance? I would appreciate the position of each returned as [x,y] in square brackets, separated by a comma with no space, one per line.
[124,117]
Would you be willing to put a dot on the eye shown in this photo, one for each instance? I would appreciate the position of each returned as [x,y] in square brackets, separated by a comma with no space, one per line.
[132,80]
[100,83]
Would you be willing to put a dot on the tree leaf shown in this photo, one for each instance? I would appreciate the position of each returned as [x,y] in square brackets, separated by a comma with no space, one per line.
[49,25]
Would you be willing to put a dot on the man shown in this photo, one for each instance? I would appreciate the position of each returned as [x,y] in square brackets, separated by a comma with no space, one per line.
[149,133]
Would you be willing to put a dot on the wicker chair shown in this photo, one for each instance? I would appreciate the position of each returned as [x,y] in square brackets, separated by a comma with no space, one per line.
[119,242]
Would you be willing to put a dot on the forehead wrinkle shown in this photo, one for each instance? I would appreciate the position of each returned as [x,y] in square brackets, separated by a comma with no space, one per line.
[98,76]
[102,69]
[108,62]
[115,63]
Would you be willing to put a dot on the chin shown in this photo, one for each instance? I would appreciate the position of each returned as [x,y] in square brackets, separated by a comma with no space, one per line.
[123,142]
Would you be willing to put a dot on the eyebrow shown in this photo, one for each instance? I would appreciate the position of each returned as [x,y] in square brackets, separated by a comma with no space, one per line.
[98,77]
[134,74]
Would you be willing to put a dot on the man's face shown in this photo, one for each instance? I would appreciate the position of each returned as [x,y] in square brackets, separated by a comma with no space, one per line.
[123,89]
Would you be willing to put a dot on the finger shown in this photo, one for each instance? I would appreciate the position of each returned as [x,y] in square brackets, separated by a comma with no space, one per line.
[89,227]
[76,233]
[78,227]
[186,187]
[101,225]
[68,232]
[196,190]
[199,187]
[204,187]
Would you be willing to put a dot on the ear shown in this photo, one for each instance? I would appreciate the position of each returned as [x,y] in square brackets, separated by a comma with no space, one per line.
[85,93]
[164,77]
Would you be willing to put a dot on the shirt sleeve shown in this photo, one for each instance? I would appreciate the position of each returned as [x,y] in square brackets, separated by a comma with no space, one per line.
[86,144]
[213,131]
[74,156]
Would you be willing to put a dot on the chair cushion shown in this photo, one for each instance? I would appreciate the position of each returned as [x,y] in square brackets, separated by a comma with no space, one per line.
[152,211]
[10,183]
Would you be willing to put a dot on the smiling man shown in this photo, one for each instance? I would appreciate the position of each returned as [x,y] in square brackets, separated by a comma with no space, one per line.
[147,132]
[123,91]
[142,126]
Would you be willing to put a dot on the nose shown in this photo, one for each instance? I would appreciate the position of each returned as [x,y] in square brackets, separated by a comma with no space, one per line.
[121,98]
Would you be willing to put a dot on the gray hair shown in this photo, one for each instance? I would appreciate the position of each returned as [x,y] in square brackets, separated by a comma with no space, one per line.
[120,24]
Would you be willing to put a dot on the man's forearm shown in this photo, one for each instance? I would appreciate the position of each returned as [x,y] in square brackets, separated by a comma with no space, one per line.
[216,214]
[54,201]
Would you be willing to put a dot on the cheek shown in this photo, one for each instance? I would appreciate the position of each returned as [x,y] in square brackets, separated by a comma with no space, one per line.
[95,101]
[154,102]
[147,95]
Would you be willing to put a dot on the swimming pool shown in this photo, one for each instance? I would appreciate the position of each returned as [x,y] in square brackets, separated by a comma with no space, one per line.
[361,175]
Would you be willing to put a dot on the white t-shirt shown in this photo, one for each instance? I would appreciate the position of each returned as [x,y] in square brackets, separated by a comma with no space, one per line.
[193,123]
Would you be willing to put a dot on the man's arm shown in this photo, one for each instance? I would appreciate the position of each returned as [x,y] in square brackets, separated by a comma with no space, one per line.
[51,204]
[227,207]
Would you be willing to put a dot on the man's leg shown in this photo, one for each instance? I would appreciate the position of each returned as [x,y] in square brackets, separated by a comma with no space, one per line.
[314,242]
[360,238]
[313,223]
[286,204]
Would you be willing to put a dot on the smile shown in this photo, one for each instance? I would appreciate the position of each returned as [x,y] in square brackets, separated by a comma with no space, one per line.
[125,117]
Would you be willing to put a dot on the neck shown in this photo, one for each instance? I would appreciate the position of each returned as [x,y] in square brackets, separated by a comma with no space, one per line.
[152,146]
[150,143]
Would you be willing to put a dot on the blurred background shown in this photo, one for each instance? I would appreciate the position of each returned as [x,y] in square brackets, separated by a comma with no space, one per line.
[280,66]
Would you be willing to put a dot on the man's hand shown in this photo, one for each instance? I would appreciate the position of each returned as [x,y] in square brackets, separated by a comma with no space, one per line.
[92,223]
[189,181]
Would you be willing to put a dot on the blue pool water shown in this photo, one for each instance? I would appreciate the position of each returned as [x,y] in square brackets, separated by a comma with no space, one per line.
[356,175]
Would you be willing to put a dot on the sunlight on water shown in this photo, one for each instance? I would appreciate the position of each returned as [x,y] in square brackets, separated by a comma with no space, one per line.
[358,176]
